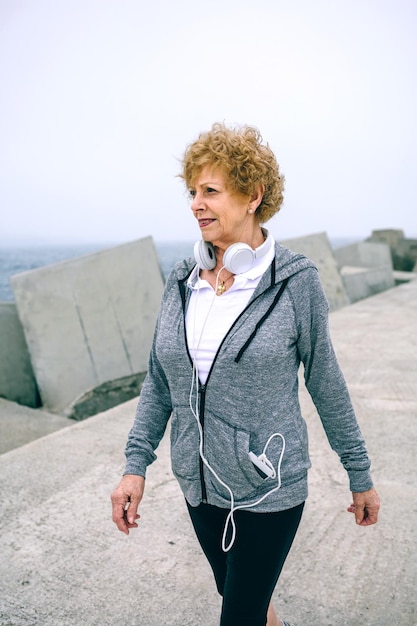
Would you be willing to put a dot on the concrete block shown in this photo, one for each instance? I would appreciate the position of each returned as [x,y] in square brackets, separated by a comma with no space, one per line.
[391,236]
[403,250]
[366,268]
[405,255]
[17,380]
[404,277]
[362,282]
[317,247]
[89,324]
[20,425]
[364,254]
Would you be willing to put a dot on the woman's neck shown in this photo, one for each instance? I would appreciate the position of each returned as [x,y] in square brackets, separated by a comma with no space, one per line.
[257,239]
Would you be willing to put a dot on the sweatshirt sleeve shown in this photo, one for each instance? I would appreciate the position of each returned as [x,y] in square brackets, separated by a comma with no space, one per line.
[325,381]
[152,415]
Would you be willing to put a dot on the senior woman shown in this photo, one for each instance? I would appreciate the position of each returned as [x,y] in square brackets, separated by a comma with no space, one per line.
[234,325]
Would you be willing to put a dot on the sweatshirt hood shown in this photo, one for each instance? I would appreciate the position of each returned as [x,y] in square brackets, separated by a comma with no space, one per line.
[288,263]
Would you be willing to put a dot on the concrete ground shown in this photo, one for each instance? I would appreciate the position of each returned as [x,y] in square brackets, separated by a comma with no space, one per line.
[63,563]
[21,424]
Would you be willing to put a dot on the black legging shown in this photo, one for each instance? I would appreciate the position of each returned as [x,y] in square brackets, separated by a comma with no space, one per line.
[246,575]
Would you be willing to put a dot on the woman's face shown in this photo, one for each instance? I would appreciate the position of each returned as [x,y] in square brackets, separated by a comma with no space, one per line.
[222,213]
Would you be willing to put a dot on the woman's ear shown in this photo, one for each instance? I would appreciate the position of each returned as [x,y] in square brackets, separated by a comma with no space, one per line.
[256,197]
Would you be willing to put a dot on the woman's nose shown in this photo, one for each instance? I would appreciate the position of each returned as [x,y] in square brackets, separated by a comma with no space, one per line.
[196,202]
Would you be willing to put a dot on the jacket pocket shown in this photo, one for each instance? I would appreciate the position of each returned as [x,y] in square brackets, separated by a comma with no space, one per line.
[185,440]
[226,448]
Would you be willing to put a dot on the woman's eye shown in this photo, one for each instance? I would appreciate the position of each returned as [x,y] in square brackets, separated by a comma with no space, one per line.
[209,190]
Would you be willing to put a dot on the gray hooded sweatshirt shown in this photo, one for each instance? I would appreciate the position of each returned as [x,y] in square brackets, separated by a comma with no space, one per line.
[251,392]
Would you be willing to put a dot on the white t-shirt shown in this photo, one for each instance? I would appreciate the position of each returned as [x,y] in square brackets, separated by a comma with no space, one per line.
[210,316]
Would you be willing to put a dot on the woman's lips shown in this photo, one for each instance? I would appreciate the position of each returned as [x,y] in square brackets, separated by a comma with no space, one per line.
[205,222]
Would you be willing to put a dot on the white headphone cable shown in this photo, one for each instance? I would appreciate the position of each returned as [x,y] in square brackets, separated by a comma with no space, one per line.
[195,411]
[230,518]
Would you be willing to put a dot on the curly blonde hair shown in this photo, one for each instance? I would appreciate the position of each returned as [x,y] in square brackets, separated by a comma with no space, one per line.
[245,161]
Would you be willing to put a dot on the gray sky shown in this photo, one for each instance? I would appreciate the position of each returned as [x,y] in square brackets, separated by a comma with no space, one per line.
[100,97]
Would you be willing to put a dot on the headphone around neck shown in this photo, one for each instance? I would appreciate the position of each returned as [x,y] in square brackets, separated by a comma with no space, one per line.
[238,258]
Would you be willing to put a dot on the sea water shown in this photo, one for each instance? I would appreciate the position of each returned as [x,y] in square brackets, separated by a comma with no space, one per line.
[17,259]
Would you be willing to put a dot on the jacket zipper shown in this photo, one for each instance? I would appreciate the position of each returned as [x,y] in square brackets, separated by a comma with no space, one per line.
[202,394]
[202,388]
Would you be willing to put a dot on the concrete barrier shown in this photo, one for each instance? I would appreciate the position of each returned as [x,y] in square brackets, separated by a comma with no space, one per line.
[407,253]
[364,254]
[89,324]
[17,381]
[366,268]
[391,236]
[362,282]
[317,247]
[20,425]
[403,250]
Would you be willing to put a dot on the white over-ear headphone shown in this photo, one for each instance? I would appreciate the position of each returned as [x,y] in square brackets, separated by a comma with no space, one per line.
[238,258]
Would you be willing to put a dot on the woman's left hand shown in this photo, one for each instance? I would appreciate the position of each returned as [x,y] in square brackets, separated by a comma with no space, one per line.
[365,506]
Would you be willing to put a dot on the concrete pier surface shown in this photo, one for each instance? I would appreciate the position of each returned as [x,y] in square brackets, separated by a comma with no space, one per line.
[20,425]
[63,563]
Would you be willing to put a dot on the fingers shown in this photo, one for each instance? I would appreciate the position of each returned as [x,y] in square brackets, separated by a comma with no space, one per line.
[130,512]
[369,517]
[118,517]
[359,514]
[130,520]
[365,506]
[125,500]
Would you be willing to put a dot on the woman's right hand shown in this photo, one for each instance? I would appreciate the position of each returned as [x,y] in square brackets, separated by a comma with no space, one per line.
[128,492]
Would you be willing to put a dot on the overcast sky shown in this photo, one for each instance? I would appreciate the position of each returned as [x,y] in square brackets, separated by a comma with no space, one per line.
[100,97]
